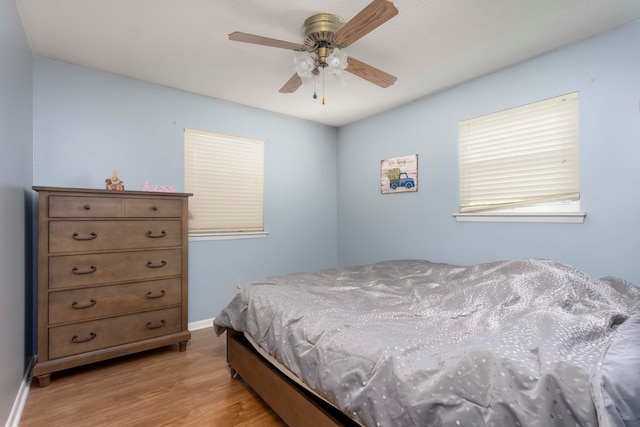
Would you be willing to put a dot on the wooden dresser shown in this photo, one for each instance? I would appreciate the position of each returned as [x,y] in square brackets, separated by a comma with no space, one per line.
[112,275]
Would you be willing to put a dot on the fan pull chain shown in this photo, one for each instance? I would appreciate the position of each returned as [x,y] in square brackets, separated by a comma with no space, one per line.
[315,95]
[323,86]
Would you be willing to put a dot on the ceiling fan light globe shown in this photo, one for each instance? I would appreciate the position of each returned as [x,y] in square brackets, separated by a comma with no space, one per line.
[304,65]
[341,80]
[337,61]
[304,74]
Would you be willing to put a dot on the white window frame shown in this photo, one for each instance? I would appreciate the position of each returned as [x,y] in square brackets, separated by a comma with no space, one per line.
[552,124]
[225,174]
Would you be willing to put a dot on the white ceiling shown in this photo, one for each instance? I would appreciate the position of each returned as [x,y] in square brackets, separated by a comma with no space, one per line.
[429,46]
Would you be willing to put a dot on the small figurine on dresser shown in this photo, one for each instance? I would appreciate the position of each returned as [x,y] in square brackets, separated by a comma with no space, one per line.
[114,183]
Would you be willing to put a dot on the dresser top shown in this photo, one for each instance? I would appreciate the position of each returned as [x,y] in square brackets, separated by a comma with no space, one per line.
[110,192]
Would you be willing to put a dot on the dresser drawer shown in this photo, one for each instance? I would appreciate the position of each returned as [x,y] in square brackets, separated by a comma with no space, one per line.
[94,335]
[153,208]
[96,269]
[89,236]
[91,303]
[84,207]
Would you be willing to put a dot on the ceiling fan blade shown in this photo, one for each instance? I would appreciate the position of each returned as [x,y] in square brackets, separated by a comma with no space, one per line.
[292,84]
[369,73]
[264,41]
[371,17]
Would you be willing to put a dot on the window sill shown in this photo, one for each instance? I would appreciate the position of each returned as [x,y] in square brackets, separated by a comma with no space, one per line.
[227,236]
[562,217]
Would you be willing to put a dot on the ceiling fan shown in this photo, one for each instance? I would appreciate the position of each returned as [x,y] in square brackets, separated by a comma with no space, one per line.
[324,35]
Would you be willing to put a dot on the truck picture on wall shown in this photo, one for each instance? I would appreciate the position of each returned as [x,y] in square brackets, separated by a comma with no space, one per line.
[397,178]
[399,174]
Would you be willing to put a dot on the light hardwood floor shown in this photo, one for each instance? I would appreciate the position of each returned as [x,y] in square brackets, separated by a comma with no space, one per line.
[161,387]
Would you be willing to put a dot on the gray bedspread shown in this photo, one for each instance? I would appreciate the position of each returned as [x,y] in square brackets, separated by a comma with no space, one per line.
[414,343]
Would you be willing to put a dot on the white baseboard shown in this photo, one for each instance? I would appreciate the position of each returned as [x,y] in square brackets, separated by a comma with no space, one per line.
[21,398]
[201,324]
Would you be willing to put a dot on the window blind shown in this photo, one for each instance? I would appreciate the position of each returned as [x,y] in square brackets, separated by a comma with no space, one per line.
[226,176]
[519,157]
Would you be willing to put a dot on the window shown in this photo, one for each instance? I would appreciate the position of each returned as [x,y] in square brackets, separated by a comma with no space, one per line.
[226,176]
[521,160]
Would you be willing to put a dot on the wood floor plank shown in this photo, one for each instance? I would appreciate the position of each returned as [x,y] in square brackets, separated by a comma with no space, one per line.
[162,387]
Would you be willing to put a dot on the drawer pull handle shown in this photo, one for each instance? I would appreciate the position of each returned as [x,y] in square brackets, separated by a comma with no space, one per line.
[75,270]
[92,236]
[76,339]
[155,207]
[156,236]
[150,325]
[92,302]
[151,265]
[162,293]
[87,207]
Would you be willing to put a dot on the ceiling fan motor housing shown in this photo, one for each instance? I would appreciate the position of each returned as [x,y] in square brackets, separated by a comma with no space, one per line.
[318,31]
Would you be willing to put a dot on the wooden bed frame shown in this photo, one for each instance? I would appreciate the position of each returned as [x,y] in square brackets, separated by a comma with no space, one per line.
[295,405]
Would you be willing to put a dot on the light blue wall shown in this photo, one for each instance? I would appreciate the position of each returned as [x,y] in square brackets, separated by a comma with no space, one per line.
[15,208]
[606,72]
[88,123]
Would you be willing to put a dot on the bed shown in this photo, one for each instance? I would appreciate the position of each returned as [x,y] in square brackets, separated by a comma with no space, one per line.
[526,342]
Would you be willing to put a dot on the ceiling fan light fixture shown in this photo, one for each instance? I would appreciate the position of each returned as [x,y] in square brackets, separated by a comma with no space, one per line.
[304,64]
[337,61]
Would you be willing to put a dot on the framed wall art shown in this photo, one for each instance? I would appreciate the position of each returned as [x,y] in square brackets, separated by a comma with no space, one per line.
[399,174]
